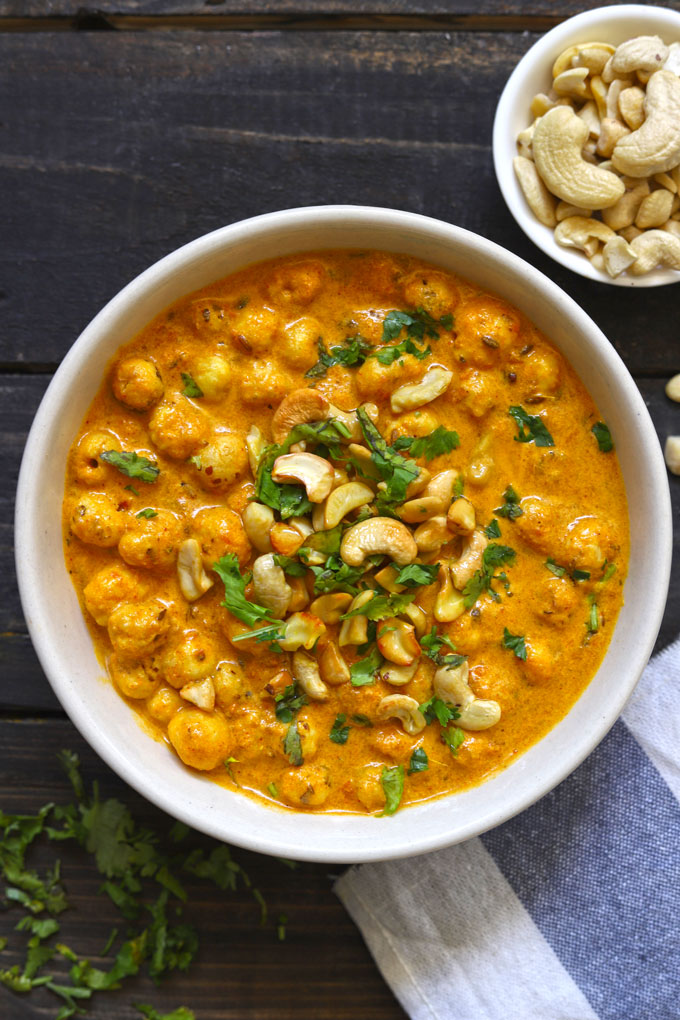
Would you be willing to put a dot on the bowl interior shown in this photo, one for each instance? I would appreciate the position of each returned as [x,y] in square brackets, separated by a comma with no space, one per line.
[605,24]
[63,642]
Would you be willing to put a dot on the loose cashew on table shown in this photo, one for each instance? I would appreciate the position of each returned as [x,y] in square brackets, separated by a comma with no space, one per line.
[600,164]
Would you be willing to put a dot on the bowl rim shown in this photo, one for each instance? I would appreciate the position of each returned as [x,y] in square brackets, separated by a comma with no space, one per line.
[580,27]
[392,841]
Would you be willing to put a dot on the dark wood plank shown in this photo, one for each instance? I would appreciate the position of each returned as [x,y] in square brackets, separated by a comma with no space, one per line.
[322,969]
[118,147]
[383,12]
[25,688]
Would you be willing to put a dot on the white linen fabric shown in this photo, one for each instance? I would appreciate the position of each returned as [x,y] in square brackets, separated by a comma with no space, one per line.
[570,911]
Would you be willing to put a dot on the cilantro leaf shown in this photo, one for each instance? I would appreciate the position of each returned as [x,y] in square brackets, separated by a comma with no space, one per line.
[603,436]
[326,542]
[147,512]
[493,529]
[555,568]
[234,592]
[388,355]
[394,469]
[382,606]
[353,351]
[511,508]
[418,324]
[289,703]
[289,499]
[453,737]
[435,708]
[336,575]
[437,443]
[131,464]
[609,571]
[582,575]
[432,645]
[292,745]
[419,761]
[289,565]
[515,643]
[363,671]
[481,581]
[339,732]
[191,387]
[362,720]
[536,432]
[392,782]
[413,575]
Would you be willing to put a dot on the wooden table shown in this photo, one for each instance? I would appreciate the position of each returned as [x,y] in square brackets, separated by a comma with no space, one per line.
[128,130]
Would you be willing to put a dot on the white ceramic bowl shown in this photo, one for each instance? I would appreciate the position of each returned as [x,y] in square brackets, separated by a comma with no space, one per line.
[533,74]
[61,637]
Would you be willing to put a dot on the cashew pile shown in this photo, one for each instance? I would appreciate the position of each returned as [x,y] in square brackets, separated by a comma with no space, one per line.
[601,161]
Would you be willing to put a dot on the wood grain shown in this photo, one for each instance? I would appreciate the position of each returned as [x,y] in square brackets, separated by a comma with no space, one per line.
[117,148]
[243,971]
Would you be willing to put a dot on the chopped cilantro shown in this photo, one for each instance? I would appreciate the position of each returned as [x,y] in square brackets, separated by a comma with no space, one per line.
[131,464]
[413,575]
[511,508]
[234,592]
[339,732]
[382,606]
[609,571]
[289,565]
[481,581]
[515,642]
[395,470]
[392,782]
[555,568]
[453,737]
[437,443]
[353,351]
[536,432]
[432,645]
[191,387]
[289,703]
[459,486]
[363,671]
[290,499]
[131,488]
[273,790]
[326,542]
[388,355]
[435,708]
[362,720]
[493,530]
[419,761]
[336,575]
[603,436]
[593,617]
[580,575]
[147,512]
[418,324]
[292,745]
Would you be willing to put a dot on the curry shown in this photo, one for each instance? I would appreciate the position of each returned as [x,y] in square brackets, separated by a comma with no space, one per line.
[348,532]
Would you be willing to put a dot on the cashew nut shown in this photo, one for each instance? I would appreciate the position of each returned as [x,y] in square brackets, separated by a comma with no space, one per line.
[386,579]
[193,579]
[330,608]
[398,676]
[589,115]
[254,446]
[306,672]
[643,53]
[378,535]
[405,709]
[632,106]
[623,213]
[579,232]
[300,597]
[435,382]
[449,603]
[451,686]
[655,146]
[539,199]
[301,630]
[258,521]
[671,453]
[345,499]
[672,61]
[592,55]
[297,408]
[432,535]
[611,132]
[655,209]
[672,388]
[200,693]
[655,248]
[461,517]
[418,618]
[354,630]
[334,670]
[470,559]
[572,82]
[617,256]
[558,139]
[315,473]
[270,586]
[397,641]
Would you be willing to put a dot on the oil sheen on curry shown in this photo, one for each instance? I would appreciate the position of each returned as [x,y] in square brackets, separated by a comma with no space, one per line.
[348,531]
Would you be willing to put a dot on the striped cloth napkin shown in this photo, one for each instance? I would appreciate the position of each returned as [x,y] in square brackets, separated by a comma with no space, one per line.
[570,911]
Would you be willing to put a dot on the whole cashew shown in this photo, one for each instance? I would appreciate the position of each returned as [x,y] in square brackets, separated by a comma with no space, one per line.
[470,560]
[655,248]
[397,676]
[449,603]
[405,709]
[302,630]
[258,521]
[344,499]
[397,641]
[315,473]
[378,535]
[579,232]
[539,199]
[655,146]
[435,382]
[298,407]
[557,143]
[643,53]
[451,686]
[306,672]
[271,588]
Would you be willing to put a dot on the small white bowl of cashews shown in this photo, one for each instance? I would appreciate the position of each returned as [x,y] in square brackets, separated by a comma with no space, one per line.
[586,145]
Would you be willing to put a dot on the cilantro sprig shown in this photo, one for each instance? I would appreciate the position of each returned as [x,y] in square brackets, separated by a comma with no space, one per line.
[363,671]
[396,471]
[515,643]
[511,508]
[603,436]
[392,782]
[352,351]
[235,600]
[494,555]
[531,428]
[131,464]
[433,643]
[439,442]
[382,606]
